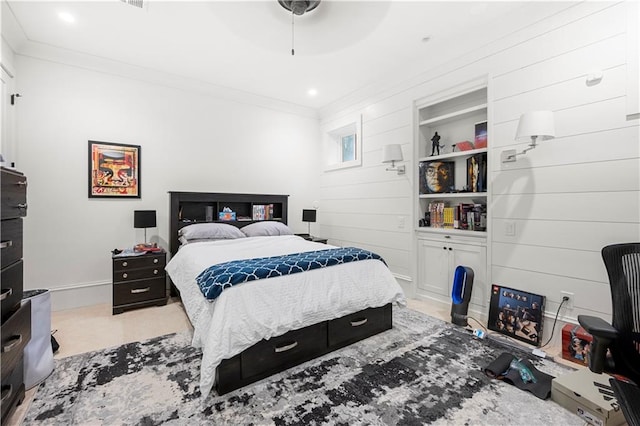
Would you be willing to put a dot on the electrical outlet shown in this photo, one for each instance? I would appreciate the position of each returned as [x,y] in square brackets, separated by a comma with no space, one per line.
[569,303]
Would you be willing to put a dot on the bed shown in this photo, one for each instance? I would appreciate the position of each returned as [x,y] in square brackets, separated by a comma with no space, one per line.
[257,328]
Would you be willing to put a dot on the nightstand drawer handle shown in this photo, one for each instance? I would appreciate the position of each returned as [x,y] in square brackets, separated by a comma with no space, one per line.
[140,290]
[6,393]
[16,341]
[155,260]
[6,244]
[358,323]
[124,263]
[125,275]
[286,347]
[21,183]
[22,206]
[155,272]
[6,293]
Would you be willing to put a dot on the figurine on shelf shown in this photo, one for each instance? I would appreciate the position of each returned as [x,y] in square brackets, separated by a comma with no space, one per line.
[435,144]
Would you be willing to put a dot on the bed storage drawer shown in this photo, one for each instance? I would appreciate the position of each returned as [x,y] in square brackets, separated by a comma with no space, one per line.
[284,351]
[351,328]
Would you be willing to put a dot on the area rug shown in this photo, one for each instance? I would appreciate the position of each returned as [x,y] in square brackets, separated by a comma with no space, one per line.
[422,371]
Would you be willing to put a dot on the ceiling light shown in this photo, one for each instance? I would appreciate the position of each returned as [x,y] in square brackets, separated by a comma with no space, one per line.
[297,7]
[67,17]
[312,92]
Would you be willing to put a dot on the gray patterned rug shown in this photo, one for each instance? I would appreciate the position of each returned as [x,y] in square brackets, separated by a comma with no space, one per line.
[423,371]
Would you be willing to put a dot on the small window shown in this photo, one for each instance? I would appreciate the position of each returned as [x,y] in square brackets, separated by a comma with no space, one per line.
[343,146]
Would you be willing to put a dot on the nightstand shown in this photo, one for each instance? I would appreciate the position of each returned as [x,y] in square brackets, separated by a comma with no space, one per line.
[139,281]
[314,239]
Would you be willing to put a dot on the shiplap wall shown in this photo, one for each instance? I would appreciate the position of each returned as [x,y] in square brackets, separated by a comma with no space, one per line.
[568,198]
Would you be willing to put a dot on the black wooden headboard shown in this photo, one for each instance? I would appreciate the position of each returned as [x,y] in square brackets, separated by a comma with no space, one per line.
[186,208]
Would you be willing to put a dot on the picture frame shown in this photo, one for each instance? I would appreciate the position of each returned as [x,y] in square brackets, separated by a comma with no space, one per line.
[437,177]
[477,173]
[114,170]
[480,135]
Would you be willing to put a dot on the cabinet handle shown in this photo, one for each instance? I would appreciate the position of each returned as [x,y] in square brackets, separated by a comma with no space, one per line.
[286,347]
[155,260]
[124,264]
[16,341]
[6,293]
[22,206]
[444,248]
[6,393]
[358,323]
[6,244]
[155,272]
[447,236]
[450,249]
[21,183]
[125,275]
[140,290]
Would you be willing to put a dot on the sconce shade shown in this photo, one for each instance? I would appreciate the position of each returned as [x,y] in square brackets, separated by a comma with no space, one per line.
[391,153]
[308,215]
[144,218]
[536,123]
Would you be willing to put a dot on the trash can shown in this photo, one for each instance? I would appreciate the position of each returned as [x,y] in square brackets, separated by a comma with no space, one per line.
[38,355]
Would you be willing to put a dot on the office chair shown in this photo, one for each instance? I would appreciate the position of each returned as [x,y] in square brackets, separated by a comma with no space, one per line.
[622,336]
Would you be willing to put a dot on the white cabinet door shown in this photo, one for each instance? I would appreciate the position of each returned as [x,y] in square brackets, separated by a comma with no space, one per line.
[433,267]
[474,257]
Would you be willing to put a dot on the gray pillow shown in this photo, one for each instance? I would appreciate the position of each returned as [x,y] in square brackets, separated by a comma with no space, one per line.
[266,229]
[217,231]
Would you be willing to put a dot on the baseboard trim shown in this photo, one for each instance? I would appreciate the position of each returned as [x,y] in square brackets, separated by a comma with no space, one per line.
[80,295]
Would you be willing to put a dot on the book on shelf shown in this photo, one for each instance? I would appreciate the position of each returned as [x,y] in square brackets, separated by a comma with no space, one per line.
[262,211]
[464,216]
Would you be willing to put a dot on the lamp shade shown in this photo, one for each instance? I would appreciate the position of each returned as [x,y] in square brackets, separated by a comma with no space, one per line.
[536,123]
[144,218]
[308,215]
[391,153]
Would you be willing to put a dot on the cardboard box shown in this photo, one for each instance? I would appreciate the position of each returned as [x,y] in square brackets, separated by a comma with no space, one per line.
[576,343]
[588,395]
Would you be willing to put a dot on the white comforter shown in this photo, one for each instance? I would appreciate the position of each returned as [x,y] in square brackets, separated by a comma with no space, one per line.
[247,313]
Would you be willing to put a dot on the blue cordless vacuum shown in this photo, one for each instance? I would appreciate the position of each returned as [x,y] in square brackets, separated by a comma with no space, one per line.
[461,295]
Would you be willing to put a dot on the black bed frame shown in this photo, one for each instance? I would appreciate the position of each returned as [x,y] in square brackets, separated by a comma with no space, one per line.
[271,356]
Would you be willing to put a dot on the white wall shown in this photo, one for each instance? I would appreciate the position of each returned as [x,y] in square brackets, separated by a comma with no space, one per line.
[190,142]
[569,197]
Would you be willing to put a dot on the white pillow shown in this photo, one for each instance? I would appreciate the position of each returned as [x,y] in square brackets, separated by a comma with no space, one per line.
[266,229]
[217,231]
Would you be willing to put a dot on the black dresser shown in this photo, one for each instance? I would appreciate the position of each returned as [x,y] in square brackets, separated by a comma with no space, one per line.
[139,281]
[16,316]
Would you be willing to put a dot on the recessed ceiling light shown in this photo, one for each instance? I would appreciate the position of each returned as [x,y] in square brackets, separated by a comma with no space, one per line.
[312,92]
[67,17]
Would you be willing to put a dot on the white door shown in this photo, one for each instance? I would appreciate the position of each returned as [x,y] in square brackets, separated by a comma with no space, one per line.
[474,257]
[433,267]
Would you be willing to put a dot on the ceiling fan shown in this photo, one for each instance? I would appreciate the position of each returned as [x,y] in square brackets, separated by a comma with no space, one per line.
[297,7]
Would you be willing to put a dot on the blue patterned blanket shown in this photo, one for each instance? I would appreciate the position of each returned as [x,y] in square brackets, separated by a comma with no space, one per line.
[218,277]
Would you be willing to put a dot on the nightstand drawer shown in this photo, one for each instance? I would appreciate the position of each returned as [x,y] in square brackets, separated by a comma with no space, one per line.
[145,261]
[138,274]
[11,232]
[16,333]
[139,291]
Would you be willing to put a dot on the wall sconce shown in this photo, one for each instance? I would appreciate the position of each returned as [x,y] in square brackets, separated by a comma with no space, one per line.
[391,154]
[144,219]
[308,216]
[535,125]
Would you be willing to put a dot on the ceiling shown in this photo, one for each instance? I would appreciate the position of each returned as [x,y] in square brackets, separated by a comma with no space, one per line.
[340,47]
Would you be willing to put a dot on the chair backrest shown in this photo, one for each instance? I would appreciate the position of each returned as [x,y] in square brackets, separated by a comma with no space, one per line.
[623,267]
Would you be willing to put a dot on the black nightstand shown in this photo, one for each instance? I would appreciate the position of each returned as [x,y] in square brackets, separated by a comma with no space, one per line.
[139,281]
[314,239]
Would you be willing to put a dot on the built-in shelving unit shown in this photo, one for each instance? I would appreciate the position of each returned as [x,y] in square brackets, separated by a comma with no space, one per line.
[451,190]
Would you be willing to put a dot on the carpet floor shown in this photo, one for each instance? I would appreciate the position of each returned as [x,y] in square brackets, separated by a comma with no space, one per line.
[423,371]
